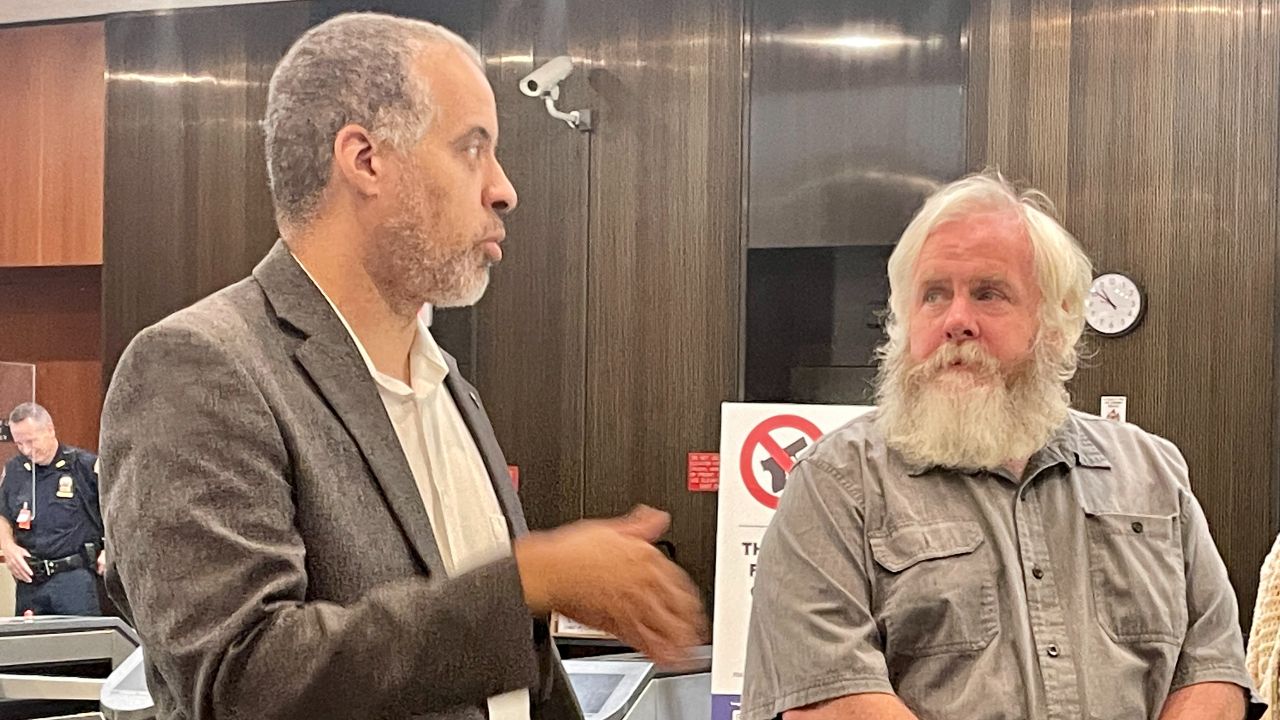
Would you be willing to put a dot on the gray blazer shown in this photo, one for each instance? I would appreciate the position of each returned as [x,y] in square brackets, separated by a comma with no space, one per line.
[267,537]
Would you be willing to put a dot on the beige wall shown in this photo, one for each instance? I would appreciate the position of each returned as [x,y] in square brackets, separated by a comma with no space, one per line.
[6,593]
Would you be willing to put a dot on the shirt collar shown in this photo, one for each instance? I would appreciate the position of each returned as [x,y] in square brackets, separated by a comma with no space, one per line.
[58,454]
[427,367]
[1072,447]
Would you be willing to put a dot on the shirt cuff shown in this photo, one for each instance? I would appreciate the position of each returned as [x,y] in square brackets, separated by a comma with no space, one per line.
[1223,674]
[821,690]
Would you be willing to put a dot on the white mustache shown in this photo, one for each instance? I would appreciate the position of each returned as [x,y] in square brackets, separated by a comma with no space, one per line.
[970,354]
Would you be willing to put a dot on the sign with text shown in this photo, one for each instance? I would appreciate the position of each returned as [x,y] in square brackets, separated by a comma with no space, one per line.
[758,448]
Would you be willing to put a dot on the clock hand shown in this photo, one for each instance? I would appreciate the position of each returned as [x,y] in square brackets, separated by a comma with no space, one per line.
[1103,295]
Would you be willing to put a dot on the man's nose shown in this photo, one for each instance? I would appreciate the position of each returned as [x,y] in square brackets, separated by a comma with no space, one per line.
[960,323]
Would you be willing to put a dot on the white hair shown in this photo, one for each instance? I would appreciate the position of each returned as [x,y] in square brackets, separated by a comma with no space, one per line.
[356,68]
[1063,271]
[989,415]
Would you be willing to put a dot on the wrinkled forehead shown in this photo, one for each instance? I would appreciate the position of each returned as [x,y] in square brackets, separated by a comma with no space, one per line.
[986,242]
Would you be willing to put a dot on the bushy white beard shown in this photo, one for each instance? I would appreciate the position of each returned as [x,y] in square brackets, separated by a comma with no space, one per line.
[977,417]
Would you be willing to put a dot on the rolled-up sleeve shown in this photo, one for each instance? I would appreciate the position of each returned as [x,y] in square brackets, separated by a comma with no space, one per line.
[7,511]
[812,633]
[1213,650]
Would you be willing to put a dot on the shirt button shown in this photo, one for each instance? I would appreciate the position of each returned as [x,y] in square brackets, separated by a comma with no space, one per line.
[1036,572]
[1053,651]
[1137,527]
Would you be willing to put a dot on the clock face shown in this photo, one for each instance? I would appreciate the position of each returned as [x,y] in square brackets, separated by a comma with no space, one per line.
[1115,305]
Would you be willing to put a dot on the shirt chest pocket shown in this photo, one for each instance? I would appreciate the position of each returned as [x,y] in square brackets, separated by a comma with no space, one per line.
[936,592]
[65,511]
[1137,577]
[16,500]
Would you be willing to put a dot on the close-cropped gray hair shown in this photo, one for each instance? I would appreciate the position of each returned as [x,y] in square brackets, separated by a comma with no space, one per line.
[356,68]
[30,411]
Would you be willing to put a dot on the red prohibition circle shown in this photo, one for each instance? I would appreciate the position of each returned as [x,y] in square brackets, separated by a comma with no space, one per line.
[761,436]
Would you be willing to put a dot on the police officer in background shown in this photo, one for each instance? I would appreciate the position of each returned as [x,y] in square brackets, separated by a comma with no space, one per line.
[50,524]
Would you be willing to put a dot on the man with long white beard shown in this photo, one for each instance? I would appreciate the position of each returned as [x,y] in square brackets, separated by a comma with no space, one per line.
[974,549]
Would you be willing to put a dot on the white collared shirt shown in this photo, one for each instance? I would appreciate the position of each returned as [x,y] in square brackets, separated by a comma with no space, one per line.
[465,515]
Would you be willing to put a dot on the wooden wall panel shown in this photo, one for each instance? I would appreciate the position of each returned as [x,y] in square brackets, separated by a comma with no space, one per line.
[52,318]
[51,138]
[21,148]
[188,209]
[72,391]
[1262,119]
[1153,126]
[531,327]
[17,385]
[73,135]
[664,254]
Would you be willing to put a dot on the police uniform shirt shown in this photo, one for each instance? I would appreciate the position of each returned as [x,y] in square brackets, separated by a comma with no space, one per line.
[60,525]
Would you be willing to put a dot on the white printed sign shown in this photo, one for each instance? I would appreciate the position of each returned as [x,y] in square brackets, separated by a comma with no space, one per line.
[758,446]
[1115,408]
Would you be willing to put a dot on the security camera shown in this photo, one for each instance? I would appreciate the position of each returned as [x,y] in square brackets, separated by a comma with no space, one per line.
[544,81]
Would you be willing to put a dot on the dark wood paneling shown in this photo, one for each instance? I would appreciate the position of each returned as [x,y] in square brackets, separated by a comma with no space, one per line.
[1153,126]
[1264,42]
[17,385]
[52,319]
[531,326]
[51,139]
[188,209]
[662,293]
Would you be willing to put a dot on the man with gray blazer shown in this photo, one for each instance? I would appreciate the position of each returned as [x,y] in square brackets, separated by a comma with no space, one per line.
[311,517]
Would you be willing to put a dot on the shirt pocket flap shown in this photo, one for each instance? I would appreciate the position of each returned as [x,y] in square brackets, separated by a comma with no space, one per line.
[908,545]
[1156,523]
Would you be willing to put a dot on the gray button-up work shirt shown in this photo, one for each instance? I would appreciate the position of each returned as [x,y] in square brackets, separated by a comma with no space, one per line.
[1090,588]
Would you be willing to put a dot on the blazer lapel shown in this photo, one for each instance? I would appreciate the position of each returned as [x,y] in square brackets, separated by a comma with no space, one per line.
[468,402]
[330,357]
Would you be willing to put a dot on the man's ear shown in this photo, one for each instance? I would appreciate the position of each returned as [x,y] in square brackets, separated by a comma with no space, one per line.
[358,160]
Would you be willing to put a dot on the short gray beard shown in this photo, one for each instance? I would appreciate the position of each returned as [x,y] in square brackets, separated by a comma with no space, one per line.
[410,267]
[979,418]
